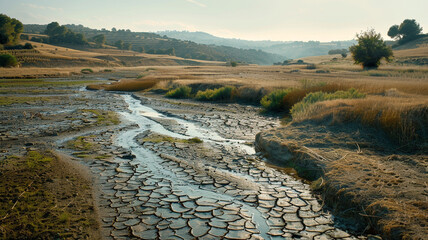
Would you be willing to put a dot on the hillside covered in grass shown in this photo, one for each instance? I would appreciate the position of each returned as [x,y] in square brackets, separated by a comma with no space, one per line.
[289,49]
[156,44]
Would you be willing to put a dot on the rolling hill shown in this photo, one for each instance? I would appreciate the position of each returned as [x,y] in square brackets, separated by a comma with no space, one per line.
[156,44]
[292,49]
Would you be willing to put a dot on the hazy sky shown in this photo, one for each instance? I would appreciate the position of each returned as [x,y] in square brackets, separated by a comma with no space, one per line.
[322,20]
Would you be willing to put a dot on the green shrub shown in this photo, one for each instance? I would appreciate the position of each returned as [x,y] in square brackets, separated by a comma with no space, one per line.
[181,92]
[274,100]
[7,60]
[314,97]
[28,46]
[370,50]
[86,71]
[218,94]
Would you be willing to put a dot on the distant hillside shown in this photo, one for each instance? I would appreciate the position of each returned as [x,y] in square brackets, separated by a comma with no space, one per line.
[206,38]
[157,44]
[293,50]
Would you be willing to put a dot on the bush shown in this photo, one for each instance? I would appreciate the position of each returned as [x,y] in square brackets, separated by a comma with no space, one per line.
[250,95]
[7,60]
[86,71]
[370,50]
[274,100]
[181,92]
[28,46]
[322,71]
[314,97]
[218,94]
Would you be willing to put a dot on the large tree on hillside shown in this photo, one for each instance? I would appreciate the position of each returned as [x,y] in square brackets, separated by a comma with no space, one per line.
[408,30]
[10,30]
[61,34]
[394,32]
[100,40]
[370,50]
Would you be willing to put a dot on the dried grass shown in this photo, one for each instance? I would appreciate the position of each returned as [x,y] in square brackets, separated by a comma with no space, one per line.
[404,119]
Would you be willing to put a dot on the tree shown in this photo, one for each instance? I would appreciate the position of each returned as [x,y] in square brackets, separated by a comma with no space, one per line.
[394,32]
[119,44]
[51,27]
[7,60]
[61,34]
[127,46]
[410,29]
[100,40]
[10,30]
[370,50]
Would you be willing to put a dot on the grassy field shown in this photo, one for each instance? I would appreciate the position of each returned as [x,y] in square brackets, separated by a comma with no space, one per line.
[44,197]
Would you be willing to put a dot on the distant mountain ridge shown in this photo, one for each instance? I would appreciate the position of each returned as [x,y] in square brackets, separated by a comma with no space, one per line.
[289,49]
[206,38]
[157,44]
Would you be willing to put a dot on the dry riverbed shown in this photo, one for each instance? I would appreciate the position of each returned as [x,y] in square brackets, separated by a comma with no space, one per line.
[159,168]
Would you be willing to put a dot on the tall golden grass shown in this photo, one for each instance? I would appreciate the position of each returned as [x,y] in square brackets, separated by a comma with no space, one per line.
[404,119]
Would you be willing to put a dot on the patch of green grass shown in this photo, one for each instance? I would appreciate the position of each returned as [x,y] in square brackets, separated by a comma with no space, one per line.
[274,100]
[218,94]
[284,99]
[36,159]
[314,97]
[102,157]
[104,117]
[180,92]
[80,143]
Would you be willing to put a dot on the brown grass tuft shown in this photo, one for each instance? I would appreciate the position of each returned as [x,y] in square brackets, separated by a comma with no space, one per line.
[404,119]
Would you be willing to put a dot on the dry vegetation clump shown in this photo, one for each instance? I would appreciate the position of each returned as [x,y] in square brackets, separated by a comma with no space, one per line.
[283,100]
[250,94]
[403,119]
[128,85]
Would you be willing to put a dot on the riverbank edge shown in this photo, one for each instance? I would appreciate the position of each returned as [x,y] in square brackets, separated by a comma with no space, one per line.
[313,167]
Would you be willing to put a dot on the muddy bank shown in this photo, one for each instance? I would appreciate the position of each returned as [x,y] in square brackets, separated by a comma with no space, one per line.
[360,175]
